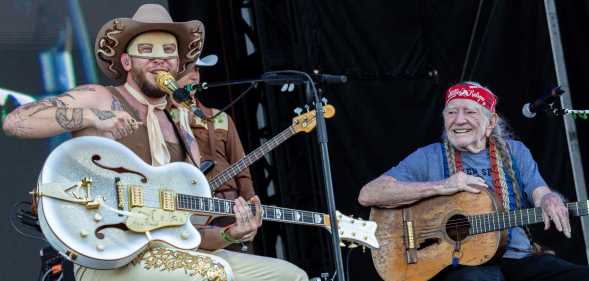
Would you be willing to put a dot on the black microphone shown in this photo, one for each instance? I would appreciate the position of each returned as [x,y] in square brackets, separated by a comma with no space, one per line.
[329,78]
[542,104]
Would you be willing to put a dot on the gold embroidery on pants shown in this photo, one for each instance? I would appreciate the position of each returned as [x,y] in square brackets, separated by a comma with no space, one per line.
[166,259]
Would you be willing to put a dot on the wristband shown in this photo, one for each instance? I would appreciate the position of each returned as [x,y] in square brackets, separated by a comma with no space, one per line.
[226,237]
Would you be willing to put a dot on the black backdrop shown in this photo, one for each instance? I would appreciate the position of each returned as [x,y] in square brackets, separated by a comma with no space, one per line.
[399,56]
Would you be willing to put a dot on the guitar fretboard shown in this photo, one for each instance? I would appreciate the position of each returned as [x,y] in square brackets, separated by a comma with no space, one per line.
[252,157]
[502,220]
[225,207]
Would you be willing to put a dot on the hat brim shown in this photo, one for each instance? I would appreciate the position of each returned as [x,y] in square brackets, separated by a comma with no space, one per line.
[113,37]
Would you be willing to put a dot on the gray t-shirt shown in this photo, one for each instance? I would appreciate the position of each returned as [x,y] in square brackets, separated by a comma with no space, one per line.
[427,164]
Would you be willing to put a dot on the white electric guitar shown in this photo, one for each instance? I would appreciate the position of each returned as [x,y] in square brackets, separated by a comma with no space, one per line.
[100,205]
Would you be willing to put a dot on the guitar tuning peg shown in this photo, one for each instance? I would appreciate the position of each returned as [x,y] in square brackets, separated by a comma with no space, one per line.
[363,249]
[353,245]
[324,100]
[342,244]
[298,110]
[307,107]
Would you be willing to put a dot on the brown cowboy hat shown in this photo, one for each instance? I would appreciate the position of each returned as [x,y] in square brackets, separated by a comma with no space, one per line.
[113,37]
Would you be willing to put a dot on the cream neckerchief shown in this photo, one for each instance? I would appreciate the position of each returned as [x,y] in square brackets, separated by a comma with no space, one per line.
[157,145]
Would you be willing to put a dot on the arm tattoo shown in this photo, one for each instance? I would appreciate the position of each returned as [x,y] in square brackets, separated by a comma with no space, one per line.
[18,129]
[116,104]
[83,89]
[102,114]
[69,118]
[47,103]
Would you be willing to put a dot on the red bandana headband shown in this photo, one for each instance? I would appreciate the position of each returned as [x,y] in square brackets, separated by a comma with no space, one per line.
[472,92]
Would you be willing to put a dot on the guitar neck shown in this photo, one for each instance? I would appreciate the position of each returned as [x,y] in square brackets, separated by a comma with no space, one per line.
[198,204]
[249,159]
[502,220]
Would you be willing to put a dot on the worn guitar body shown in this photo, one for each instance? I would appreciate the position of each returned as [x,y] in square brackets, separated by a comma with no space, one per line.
[420,240]
[105,235]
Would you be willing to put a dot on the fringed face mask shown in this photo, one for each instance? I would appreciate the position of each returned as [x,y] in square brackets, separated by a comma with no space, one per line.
[153,45]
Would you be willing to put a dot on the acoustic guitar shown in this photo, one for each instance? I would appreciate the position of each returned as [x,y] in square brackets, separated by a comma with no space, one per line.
[419,241]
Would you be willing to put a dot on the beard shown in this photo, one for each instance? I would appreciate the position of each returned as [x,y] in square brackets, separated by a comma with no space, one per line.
[147,88]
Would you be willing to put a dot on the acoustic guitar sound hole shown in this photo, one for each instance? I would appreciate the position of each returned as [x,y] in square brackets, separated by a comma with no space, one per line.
[457,227]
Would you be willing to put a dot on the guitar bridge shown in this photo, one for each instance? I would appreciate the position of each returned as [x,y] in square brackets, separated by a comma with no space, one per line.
[409,235]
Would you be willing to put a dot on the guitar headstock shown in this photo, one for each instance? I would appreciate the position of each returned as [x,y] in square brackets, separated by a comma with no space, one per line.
[306,122]
[357,230]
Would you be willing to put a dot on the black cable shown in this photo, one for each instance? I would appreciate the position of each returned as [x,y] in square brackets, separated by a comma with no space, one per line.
[253,85]
[472,34]
[44,276]
[349,255]
[16,228]
[476,61]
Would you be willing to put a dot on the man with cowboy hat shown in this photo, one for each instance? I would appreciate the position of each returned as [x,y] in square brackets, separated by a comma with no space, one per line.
[138,114]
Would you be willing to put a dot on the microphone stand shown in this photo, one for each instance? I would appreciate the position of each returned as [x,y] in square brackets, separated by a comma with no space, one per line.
[327,180]
[326,169]
[558,111]
[322,140]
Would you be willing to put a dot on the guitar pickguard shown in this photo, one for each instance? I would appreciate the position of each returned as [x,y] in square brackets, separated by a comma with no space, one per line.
[143,219]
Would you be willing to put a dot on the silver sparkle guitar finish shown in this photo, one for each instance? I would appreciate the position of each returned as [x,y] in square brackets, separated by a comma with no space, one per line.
[87,225]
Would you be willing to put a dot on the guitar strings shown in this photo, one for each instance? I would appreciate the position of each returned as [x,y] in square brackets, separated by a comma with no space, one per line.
[488,219]
[216,205]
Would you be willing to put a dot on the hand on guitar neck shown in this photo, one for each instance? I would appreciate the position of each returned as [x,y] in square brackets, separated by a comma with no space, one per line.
[246,222]
[553,209]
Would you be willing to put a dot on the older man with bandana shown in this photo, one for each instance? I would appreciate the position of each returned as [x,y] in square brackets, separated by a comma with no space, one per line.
[477,152]
[139,115]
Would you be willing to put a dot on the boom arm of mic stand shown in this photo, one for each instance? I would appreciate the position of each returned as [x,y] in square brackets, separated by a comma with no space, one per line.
[206,85]
[267,77]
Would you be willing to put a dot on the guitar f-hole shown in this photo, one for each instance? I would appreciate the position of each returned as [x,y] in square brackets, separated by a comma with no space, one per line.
[100,235]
